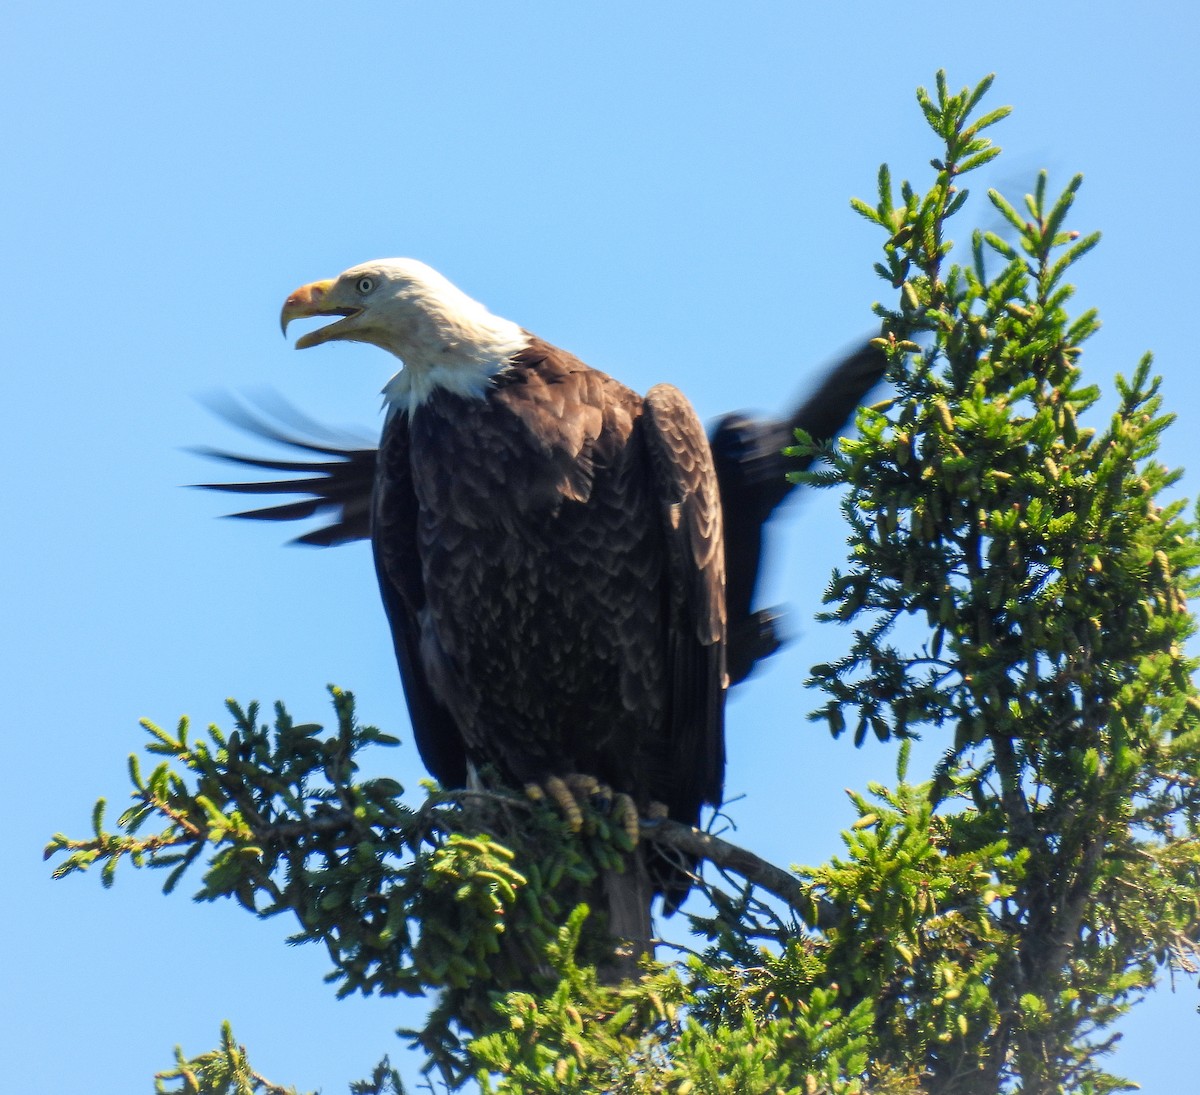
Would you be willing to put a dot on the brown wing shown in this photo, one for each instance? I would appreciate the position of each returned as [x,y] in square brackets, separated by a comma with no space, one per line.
[685,486]
[394,539]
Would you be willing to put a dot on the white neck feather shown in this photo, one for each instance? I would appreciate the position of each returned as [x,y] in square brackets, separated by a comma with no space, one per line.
[414,384]
[446,340]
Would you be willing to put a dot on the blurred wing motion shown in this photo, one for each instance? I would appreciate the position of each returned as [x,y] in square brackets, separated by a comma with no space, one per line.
[752,473]
[338,489]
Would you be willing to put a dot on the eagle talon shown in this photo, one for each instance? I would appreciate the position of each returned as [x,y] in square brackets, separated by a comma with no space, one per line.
[602,798]
[625,813]
[559,793]
[582,786]
[584,789]
[571,793]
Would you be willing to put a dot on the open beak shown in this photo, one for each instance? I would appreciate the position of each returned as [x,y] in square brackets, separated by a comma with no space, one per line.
[314,300]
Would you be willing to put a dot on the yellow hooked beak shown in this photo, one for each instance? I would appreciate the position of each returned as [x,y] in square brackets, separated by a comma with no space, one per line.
[318,298]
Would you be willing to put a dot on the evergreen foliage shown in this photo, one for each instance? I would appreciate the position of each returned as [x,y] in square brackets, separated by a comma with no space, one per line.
[1017,583]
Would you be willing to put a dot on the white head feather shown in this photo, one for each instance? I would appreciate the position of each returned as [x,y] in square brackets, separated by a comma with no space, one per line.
[444,338]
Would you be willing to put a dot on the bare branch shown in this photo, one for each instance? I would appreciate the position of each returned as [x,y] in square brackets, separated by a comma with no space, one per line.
[740,861]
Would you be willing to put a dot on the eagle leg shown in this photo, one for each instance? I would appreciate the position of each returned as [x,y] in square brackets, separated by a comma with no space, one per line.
[618,807]
[559,793]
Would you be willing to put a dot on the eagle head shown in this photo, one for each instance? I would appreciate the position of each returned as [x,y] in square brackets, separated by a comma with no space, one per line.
[403,306]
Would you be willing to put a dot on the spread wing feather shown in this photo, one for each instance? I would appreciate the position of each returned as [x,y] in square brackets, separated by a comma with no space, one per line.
[339,489]
[747,452]
[752,471]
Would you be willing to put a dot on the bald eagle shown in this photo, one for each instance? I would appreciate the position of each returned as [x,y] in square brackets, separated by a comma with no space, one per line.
[549,550]
[550,545]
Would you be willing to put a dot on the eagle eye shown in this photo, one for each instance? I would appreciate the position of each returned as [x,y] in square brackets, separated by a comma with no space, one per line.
[364,285]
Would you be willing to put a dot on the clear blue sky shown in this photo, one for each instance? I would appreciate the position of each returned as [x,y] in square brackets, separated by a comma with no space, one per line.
[660,188]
